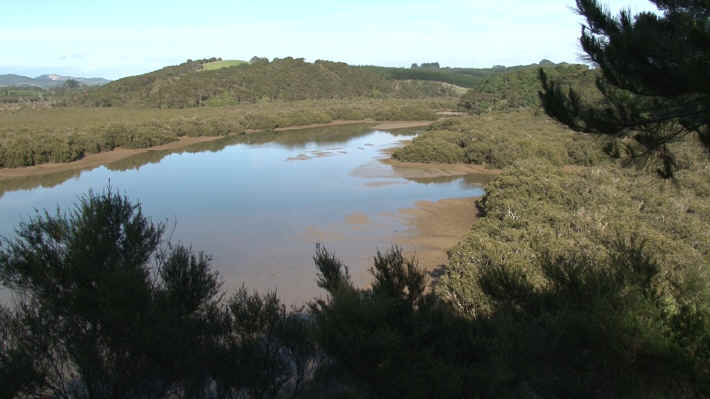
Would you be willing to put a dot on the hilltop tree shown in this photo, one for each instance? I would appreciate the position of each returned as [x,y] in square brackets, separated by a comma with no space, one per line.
[654,69]
[259,60]
[71,84]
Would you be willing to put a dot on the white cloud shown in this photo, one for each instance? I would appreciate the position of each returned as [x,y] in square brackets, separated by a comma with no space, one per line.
[451,32]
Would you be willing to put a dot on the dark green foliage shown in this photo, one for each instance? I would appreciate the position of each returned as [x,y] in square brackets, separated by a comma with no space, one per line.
[592,329]
[471,78]
[439,75]
[288,79]
[95,315]
[433,146]
[107,312]
[266,352]
[18,370]
[393,339]
[654,76]
[332,275]
[518,88]
[71,84]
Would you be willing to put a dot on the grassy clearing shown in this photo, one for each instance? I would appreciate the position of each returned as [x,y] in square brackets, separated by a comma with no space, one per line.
[30,137]
[211,66]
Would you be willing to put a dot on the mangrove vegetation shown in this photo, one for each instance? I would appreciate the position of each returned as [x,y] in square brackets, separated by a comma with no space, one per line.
[586,274]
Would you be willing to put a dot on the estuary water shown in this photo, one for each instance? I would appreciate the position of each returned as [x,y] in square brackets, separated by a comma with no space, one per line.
[259,205]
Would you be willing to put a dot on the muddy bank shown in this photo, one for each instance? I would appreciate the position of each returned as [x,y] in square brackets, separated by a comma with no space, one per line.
[388,125]
[402,125]
[98,159]
[102,158]
[427,170]
[426,231]
[387,168]
[435,227]
[313,126]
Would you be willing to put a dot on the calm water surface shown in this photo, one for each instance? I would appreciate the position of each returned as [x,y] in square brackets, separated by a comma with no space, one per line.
[259,208]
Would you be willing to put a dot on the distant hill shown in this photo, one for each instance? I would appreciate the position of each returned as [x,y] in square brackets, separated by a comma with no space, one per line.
[193,84]
[464,77]
[16,80]
[517,87]
[47,81]
[217,82]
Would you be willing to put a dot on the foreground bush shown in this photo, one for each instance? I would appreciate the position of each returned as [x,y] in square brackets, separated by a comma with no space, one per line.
[587,329]
[108,310]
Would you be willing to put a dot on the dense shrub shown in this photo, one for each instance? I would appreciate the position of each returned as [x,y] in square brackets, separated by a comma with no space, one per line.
[515,89]
[108,310]
[498,140]
[587,328]
[433,146]
[535,206]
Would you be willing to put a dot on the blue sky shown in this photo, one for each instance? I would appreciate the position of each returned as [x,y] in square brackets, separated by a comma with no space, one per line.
[119,38]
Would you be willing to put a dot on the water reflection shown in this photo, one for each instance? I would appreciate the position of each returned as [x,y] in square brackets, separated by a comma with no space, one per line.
[468,182]
[259,202]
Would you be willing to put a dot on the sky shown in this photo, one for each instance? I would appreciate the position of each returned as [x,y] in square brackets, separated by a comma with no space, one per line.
[114,39]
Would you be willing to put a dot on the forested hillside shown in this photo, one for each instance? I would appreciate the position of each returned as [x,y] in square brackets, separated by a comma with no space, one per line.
[288,79]
[471,78]
[515,88]
[212,82]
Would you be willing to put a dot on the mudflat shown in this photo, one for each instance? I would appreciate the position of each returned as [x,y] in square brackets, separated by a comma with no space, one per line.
[435,227]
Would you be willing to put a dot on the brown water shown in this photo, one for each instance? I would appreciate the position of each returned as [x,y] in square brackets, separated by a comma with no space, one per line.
[259,207]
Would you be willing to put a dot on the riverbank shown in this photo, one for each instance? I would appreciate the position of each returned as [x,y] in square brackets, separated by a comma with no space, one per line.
[434,228]
[117,154]
[64,134]
[98,159]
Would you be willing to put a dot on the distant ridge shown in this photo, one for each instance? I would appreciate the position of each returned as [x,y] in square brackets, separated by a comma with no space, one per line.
[47,81]
[215,82]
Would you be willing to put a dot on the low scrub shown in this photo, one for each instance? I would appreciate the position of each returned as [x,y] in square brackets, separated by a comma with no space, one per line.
[498,140]
[535,206]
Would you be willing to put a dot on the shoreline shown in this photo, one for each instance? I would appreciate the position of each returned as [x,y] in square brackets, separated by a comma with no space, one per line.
[97,159]
[101,158]
[434,227]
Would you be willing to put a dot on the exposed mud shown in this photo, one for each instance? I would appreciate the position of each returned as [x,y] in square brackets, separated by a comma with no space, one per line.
[435,227]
